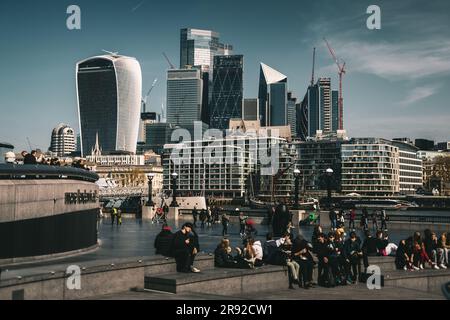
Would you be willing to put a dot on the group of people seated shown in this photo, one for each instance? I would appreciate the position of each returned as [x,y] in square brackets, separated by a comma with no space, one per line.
[417,251]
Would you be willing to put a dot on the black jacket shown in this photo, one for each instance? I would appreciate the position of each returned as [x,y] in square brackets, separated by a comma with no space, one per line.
[163,243]
[179,245]
[370,246]
[222,259]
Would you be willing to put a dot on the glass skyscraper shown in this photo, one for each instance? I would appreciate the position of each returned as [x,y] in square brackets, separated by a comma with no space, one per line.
[272,97]
[319,110]
[228,90]
[109,92]
[199,47]
[184,96]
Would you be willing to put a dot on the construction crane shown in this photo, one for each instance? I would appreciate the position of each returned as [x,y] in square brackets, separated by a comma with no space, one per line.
[29,143]
[144,99]
[341,72]
[313,67]
[168,61]
[114,54]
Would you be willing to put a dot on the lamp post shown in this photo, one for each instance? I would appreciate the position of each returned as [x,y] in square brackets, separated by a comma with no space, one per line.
[329,175]
[174,203]
[150,202]
[297,182]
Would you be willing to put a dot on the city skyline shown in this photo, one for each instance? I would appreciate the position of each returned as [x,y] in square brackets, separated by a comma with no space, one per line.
[395,85]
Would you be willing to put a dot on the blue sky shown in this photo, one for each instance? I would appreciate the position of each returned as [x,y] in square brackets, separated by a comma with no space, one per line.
[397,82]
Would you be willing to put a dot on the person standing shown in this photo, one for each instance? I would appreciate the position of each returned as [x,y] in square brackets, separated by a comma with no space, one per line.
[280,220]
[242,222]
[365,220]
[29,158]
[181,248]
[195,215]
[333,219]
[352,218]
[384,218]
[225,222]
[374,221]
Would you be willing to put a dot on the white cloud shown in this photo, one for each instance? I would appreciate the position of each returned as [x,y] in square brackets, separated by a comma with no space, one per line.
[399,61]
[418,94]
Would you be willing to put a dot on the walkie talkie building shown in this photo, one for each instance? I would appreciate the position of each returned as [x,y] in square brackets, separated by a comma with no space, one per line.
[109,91]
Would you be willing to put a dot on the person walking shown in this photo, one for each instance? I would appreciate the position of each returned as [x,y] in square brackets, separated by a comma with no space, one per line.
[119,218]
[113,215]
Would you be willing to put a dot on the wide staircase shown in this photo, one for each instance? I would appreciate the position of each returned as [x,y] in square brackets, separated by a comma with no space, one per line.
[235,282]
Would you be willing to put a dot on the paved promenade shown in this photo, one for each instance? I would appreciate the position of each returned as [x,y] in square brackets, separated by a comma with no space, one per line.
[135,239]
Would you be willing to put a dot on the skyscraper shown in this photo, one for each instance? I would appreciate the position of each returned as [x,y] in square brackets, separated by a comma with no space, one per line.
[63,140]
[227,90]
[292,113]
[109,100]
[250,111]
[199,47]
[184,96]
[272,97]
[319,110]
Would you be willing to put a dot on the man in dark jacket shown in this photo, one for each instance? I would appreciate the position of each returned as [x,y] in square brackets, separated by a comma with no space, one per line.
[181,248]
[280,220]
[353,254]
[324,273]
[163,242]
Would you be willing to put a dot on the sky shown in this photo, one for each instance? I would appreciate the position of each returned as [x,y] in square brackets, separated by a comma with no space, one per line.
[397,81]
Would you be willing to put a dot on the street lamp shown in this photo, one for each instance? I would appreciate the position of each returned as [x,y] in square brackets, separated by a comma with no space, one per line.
[329,175]
[150,202]
[174,203]
[297,182]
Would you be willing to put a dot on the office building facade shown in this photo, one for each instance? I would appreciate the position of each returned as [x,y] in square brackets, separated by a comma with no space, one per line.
[314,158]
[63,140]
[272,97]
[410,167]
[424,144]
[227,92]
[250,110]
[109,91]
[319,110]
[199,47]
[370,167]
[184,96]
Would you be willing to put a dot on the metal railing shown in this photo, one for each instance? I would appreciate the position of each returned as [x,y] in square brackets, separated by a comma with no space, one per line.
[18,172]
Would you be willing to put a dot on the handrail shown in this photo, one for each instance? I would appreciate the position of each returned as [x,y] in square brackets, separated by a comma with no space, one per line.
[18,172]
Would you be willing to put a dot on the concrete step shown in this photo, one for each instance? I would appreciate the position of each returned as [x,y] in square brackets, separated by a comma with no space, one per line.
[202,261]
[386,264]
[428,280]
[221,281]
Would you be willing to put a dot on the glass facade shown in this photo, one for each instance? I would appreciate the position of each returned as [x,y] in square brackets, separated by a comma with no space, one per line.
[109,100]
[319,109]
[199,47]
[250,110]
[228,90]
[184,96]
[370,166]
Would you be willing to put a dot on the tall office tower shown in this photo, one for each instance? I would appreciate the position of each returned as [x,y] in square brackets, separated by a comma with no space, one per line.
[250,110]
[227,90]
[292,113]
[184,96]
[199,47]
[272,97]
[109,101]
[63,140]
[319,110]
